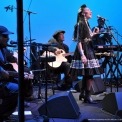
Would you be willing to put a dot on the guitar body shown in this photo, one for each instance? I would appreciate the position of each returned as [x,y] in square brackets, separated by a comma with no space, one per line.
[59,58]
[12,69]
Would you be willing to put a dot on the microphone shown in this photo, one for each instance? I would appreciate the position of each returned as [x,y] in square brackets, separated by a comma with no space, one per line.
[30,12]
[102,18]
[8,45]
[13,42]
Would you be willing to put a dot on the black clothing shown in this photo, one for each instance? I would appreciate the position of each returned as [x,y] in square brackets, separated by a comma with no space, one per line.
[8,57]
[103,37]
[65,66]
[92,67]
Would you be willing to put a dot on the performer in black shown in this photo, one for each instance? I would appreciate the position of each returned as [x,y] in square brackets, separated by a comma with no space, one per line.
[85,62]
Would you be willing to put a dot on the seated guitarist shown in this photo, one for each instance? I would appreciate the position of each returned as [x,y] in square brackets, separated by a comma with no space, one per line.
[7,57]
[65,66]
[4,55]
[9,89]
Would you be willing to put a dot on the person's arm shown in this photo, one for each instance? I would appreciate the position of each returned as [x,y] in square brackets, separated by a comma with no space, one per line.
[3,73]
[54,48]
[80,39]
[95,31]
[81,51]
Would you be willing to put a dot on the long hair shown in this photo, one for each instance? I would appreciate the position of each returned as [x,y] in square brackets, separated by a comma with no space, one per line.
[80,17]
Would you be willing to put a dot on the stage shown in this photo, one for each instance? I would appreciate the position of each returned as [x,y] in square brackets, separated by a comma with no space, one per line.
[82,111]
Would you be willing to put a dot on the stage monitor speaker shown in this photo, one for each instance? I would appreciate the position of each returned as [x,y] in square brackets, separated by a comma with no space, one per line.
[78,86]
[97,86]
[112,103]
[60,105]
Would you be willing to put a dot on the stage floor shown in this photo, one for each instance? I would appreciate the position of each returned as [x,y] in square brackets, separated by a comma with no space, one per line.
[87,112]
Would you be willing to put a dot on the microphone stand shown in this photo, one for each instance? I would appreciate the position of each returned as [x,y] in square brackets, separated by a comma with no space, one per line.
[119,48]
[46,119]
[46,60]
[29,13]
[116,61]
[20,62]
[29,23]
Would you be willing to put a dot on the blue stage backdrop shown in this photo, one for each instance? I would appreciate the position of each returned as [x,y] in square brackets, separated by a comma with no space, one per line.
[52,15]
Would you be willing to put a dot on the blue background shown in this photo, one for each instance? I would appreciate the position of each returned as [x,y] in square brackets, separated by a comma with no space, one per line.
[54,15]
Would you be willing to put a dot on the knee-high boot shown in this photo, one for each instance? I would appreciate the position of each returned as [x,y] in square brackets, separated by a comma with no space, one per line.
[82,90]
[82,94]
[88,98]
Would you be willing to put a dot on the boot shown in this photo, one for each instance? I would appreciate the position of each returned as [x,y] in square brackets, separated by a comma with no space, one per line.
[82,94]
[83,87]
[88,98]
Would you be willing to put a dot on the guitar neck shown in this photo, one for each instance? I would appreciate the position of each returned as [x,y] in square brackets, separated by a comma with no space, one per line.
[13,74]
[67,54]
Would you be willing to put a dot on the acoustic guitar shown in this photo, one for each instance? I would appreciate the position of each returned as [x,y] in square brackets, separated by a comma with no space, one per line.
[12,69]
[59,57]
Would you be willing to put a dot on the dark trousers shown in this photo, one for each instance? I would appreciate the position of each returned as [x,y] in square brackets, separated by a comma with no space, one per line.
[64,68]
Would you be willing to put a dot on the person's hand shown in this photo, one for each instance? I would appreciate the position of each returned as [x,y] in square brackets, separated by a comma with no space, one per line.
[4,74]
[59,51]
[84,59]
[96,31]
[28,76]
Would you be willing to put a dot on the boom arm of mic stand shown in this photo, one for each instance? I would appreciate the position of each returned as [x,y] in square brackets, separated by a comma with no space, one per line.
[120,47]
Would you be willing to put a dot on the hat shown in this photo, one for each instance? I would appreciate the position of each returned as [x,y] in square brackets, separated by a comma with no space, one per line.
[58,32]
[4,30]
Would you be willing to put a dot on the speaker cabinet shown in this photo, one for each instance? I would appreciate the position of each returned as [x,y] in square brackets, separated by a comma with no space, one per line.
[97,86]
[60,105]
[78,85]
[112,103]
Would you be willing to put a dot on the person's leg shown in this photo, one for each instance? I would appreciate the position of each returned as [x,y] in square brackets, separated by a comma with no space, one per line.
[89,82]
[10,100]
[64,68]
[28,88]
[12,87]
[82,90]
[67,80]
